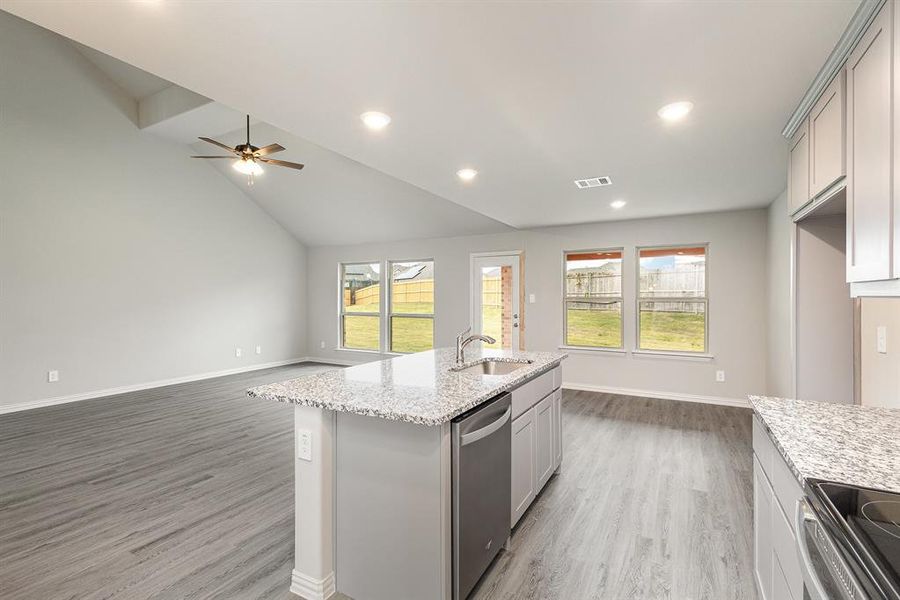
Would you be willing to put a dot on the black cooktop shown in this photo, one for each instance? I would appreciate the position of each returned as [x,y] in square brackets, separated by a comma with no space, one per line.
[866,525]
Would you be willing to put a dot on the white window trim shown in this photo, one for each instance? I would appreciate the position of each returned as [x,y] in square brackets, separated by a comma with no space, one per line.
[705,354]
[342,313]
[390,314]
[620,299]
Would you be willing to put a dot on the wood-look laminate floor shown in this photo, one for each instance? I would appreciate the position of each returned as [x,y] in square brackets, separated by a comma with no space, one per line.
[187,492]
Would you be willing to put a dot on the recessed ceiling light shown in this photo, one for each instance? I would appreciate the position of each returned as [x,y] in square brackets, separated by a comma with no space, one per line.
[617,204]
[675,111]
[375,120]
[467,174]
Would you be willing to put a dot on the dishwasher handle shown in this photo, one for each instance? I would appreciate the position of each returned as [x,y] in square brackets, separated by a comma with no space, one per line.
[478,434]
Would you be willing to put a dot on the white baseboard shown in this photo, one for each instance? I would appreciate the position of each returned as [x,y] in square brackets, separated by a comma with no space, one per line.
[10,408]
[310,588]
[585,387]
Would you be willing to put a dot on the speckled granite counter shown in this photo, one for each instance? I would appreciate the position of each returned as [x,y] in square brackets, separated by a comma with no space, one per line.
[857,445]
[418,388]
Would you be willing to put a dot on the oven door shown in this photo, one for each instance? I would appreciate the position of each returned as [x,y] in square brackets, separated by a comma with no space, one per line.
[826,575]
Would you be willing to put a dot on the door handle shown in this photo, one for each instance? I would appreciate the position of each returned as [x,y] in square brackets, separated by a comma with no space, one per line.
[474,436]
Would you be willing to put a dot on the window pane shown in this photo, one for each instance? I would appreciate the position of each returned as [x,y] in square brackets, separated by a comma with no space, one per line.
[678,326]
[673,272]
[497,303]
[594,323]
[361,332]
[412,287]
[361,288]
[411,334]
[593,290]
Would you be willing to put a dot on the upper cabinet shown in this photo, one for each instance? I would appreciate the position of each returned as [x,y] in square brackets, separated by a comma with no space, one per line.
[827,128]
[869,152]
[798,168]
[849,140]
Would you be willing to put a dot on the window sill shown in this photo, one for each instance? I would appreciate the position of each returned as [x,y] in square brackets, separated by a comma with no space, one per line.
[589,350]
[699,356]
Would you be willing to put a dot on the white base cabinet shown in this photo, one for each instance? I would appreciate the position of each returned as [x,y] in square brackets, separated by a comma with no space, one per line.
[775,495]
[536,439]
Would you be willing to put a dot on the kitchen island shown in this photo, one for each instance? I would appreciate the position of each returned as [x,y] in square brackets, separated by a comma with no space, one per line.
[373,464]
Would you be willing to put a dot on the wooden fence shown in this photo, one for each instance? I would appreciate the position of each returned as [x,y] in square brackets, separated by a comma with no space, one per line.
[420,290]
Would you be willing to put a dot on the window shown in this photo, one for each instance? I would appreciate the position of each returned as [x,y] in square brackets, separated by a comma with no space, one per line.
[411,318]
[361,306]
[407,322]
[672,302]
[593,299]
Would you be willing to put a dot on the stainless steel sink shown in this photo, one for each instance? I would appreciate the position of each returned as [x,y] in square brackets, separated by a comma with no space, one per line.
[493,367]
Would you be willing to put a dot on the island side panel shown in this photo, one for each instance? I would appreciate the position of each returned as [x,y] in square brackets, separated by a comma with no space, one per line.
[392,509]
[313,574]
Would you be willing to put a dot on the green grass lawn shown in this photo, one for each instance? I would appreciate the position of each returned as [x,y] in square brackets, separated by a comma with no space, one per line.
[408,334]
[659,330]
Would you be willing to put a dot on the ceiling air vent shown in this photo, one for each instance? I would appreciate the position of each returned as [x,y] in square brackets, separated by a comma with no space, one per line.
[583,184]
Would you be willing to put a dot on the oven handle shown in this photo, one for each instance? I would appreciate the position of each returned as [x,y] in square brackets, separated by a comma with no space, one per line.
[474,436]
[813,585]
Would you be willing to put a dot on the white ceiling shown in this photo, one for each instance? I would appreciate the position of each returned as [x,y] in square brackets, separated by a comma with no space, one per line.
[531,94]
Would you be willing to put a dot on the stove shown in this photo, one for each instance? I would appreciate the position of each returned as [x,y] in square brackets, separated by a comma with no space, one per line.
[850,542]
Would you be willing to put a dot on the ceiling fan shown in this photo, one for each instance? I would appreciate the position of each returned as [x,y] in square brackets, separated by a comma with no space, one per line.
[249,156]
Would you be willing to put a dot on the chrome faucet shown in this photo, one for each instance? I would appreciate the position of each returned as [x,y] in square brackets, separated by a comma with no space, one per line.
[462,341]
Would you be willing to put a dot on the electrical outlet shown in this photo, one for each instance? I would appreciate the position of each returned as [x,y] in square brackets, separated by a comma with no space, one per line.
[531,299]
[881,339]
[322,344]
[720,376]
[238,352]
[52,376]
[259,349]
[304,444]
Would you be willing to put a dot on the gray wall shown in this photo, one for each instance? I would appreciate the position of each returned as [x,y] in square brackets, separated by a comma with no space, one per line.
[737,292]
[778,266]
[122,261]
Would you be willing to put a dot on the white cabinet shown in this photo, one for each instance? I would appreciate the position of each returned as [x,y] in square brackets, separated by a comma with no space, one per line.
[763,556]
[536,438]
[869,153]
[543,441]
[798,169]
[827,144]
[557,428]
[775,494]
[523,480]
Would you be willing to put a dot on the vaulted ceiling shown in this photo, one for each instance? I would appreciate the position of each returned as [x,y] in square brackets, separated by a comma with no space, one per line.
[532,94]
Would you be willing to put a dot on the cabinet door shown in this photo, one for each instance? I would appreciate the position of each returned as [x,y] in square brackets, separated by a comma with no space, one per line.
[557,429]
[523,482]
[798,169]
[543,441]
[827,143]
[869,161]
[762,533]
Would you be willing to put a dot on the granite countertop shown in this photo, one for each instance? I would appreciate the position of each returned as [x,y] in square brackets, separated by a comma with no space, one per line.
[418,388]
[845,443]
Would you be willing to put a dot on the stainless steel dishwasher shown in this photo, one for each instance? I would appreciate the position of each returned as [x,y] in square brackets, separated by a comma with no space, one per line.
[482,450]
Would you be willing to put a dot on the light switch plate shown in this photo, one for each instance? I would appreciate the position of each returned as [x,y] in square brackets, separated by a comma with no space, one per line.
[531,299]
[304,444]
[881,339]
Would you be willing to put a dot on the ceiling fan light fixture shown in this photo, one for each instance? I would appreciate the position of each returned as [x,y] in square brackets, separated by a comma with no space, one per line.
[247,167]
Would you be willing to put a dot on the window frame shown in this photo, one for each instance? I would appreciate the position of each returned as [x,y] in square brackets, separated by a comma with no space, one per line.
[342,312]
[704,299]
[389,309]
[620,299]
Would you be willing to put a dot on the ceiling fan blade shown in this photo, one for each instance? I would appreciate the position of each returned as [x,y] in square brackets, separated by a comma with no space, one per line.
[219,144]
[282,163]
[270,149]
[228,157]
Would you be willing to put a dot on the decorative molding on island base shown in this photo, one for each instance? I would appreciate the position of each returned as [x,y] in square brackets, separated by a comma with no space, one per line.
[137,387]
[586,387]
[310,588]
